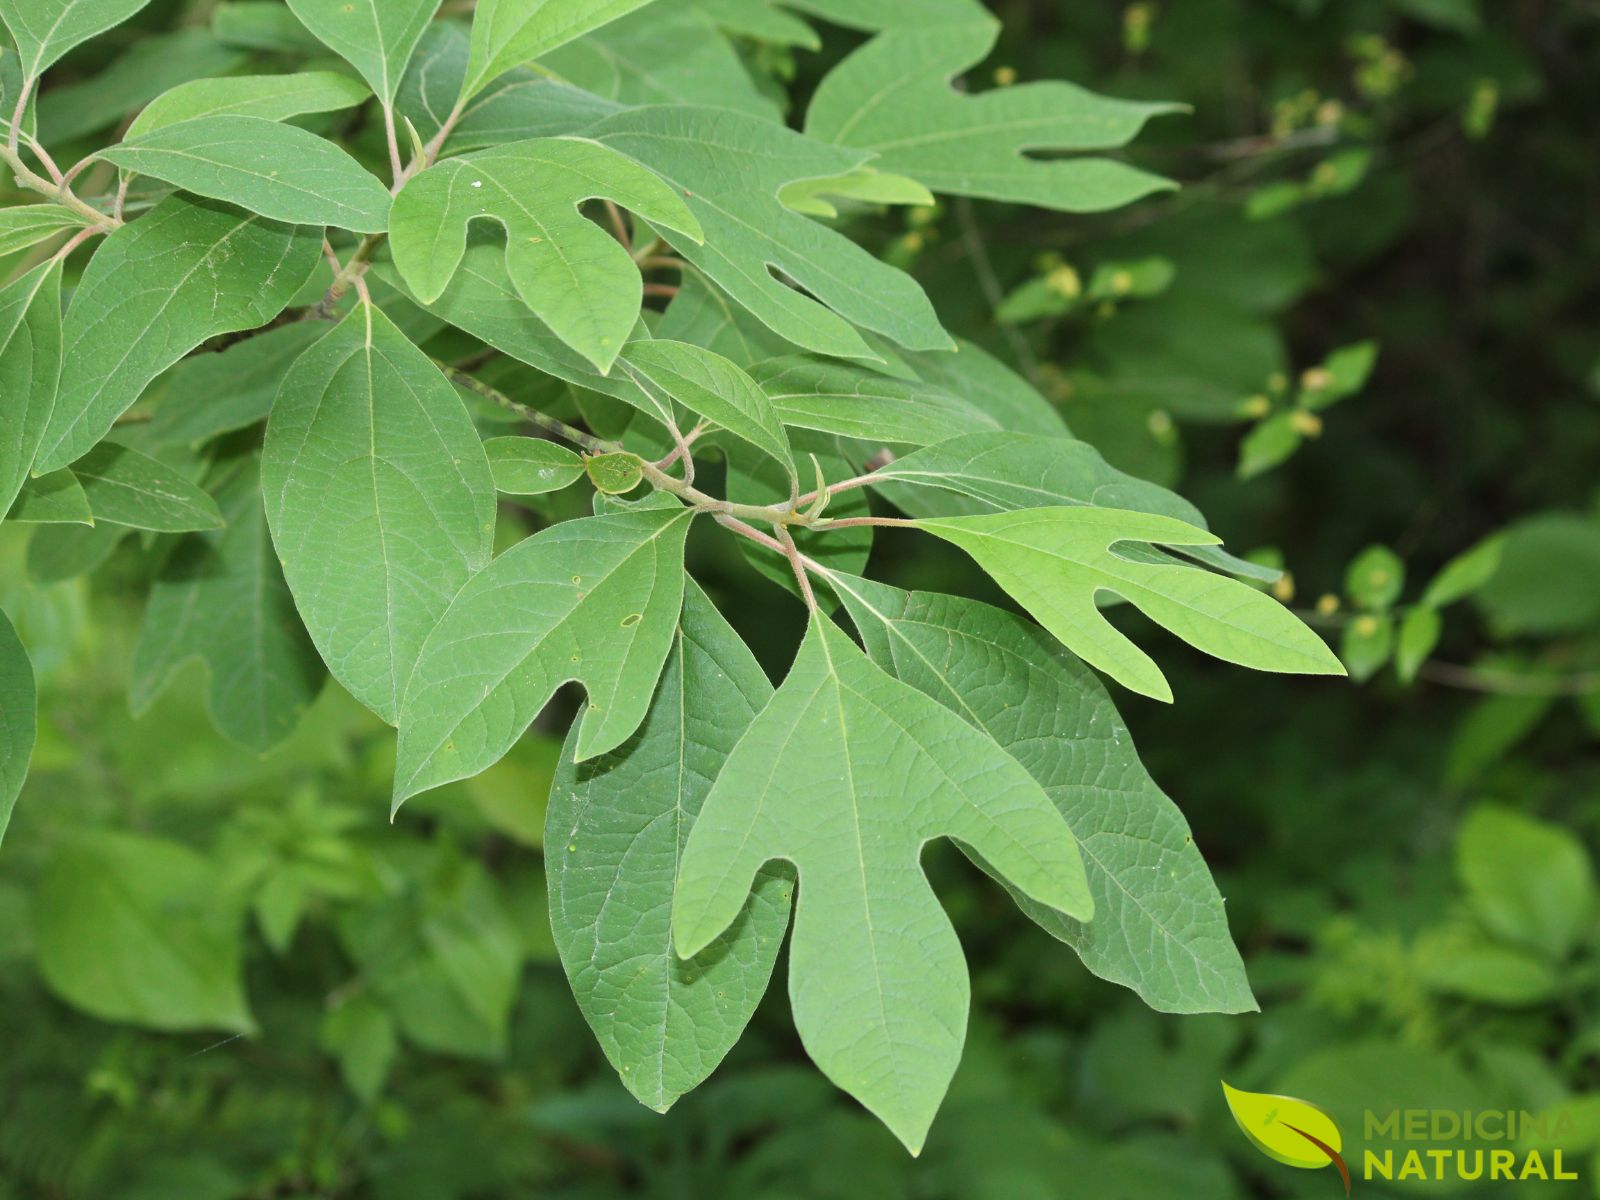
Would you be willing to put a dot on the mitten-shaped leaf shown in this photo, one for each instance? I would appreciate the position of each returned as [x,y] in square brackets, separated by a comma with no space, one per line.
[30,369]
[380,500]
[1160,927]
[158,287]
[594,600]
[1055,561]
[575,275]
[614,833]
[279,171]
[847,774]
[729,166]
[893,96]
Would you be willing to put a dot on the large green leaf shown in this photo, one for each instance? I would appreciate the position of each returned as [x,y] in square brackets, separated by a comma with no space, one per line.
[1160,926]
[221,599]
[573,274]
[30,368]
[18,720]
[271,97]
[1055,562]
[29,224]
[126,487]
[847,774]
[614,832]
[893,97]
[730,166]
[669,53]
[278,171]
[135,929]
[159,286]
[508,33]
[376,37]
[594,600]
[1000,471]
[710,386]
[380,501]
[844,399]
[44,30]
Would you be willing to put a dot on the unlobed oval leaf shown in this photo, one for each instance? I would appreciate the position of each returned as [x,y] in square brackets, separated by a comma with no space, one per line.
[279,171]
[508,33]
[29,224]
[271,97]
[593,600]
[126,487]
[18,719]
[847,773]
[525,466]
[30,370]
[376,37]
[851,401]
[44,30]
[158,287]
[380,501]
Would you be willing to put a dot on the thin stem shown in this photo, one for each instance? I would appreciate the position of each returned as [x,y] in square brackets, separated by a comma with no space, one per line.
[533,416]
[63,196]
[24,93]
[1509,683]
[854,522]
[833,489]
[619,227]
[733,524]
[983,268]
[792,553]
[397,169]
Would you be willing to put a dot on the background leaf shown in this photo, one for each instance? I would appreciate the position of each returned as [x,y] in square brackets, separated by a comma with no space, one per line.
[18,718]
[30,369]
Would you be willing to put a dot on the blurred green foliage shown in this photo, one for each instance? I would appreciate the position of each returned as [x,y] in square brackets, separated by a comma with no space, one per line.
[1388,204]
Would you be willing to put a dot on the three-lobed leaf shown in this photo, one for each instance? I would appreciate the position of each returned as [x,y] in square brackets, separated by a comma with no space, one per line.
[847,773]
[379,498]
[593,600]
[1160,926]
[574,275]
[281,172]
[1056,561]
[614,834]
[158,287]
[729,167]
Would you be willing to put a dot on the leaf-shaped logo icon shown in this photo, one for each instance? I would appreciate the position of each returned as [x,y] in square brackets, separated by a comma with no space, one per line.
[1291,1131]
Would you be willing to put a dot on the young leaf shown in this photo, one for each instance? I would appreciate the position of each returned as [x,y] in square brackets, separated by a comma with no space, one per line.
[271,97]
[1160,926]
[893,96]
[844,399]
[44,30]
[710,386]
[847,774]
[376,37]
[135,929]
[614,833]
[1054,562]
[30,368]
[593,600]
[125,487]
[729,167]
[29,224]
[508,33]
[997,472]
[525,466]
[18,719]
[159,286]
[379,498]
[279,171]
[55,498]
[1419,634]
[221,598]
[575,275]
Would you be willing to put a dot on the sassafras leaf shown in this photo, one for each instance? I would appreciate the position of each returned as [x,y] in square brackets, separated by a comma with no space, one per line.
[1055,561]
[508,33]
[126,487]
[272,97]
[17,719]
[30,369]
[847,773]
[376,37]
[380,501]
[44,30]
[594,600]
